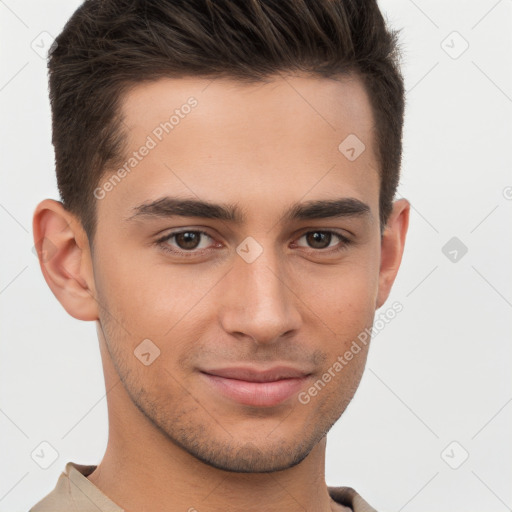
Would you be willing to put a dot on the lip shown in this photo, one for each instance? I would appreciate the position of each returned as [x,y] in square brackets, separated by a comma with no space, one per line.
[259,388]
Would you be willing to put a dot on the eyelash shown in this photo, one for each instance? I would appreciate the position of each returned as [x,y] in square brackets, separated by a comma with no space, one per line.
[161,243]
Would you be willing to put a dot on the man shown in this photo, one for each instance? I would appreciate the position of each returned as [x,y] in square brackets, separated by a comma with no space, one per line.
[227,173]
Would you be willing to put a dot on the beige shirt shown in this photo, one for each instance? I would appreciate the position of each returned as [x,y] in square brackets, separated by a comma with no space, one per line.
[75,493]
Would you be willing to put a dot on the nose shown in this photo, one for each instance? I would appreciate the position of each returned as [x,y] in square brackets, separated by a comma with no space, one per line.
[258,301]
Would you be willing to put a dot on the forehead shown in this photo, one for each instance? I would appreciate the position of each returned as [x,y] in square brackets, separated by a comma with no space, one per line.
[218,139]
[290,107]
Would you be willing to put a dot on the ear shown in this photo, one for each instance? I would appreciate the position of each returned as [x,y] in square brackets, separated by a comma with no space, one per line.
[65,259]
[392,248]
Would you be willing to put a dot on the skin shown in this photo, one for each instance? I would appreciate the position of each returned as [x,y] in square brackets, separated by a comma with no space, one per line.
[174,442]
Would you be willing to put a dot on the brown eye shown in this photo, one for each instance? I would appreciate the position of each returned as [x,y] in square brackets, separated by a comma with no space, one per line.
[319,239]
[185,243]
[188,240]
[324,241]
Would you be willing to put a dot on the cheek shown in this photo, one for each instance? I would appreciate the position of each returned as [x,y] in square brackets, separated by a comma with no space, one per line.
[345,297]
[346,304]
[149,296]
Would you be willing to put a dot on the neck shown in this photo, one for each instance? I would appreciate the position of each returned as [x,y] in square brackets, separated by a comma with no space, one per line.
[150,473]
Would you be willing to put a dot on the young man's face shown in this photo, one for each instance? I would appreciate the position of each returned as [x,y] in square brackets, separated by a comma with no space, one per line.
[258,292]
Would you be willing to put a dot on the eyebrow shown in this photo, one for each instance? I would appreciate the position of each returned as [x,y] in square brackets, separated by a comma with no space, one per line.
[166,207]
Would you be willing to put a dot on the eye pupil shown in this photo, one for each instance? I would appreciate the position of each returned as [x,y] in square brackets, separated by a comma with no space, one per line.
[319,236]
[187,239]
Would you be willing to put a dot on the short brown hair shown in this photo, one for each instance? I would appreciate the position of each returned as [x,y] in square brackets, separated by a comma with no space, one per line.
[110,45]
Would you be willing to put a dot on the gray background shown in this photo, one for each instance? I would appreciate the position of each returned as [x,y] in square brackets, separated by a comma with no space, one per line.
[438,373]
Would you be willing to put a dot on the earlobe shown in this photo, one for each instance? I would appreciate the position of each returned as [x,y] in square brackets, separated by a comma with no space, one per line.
[392,248]
[65,260]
